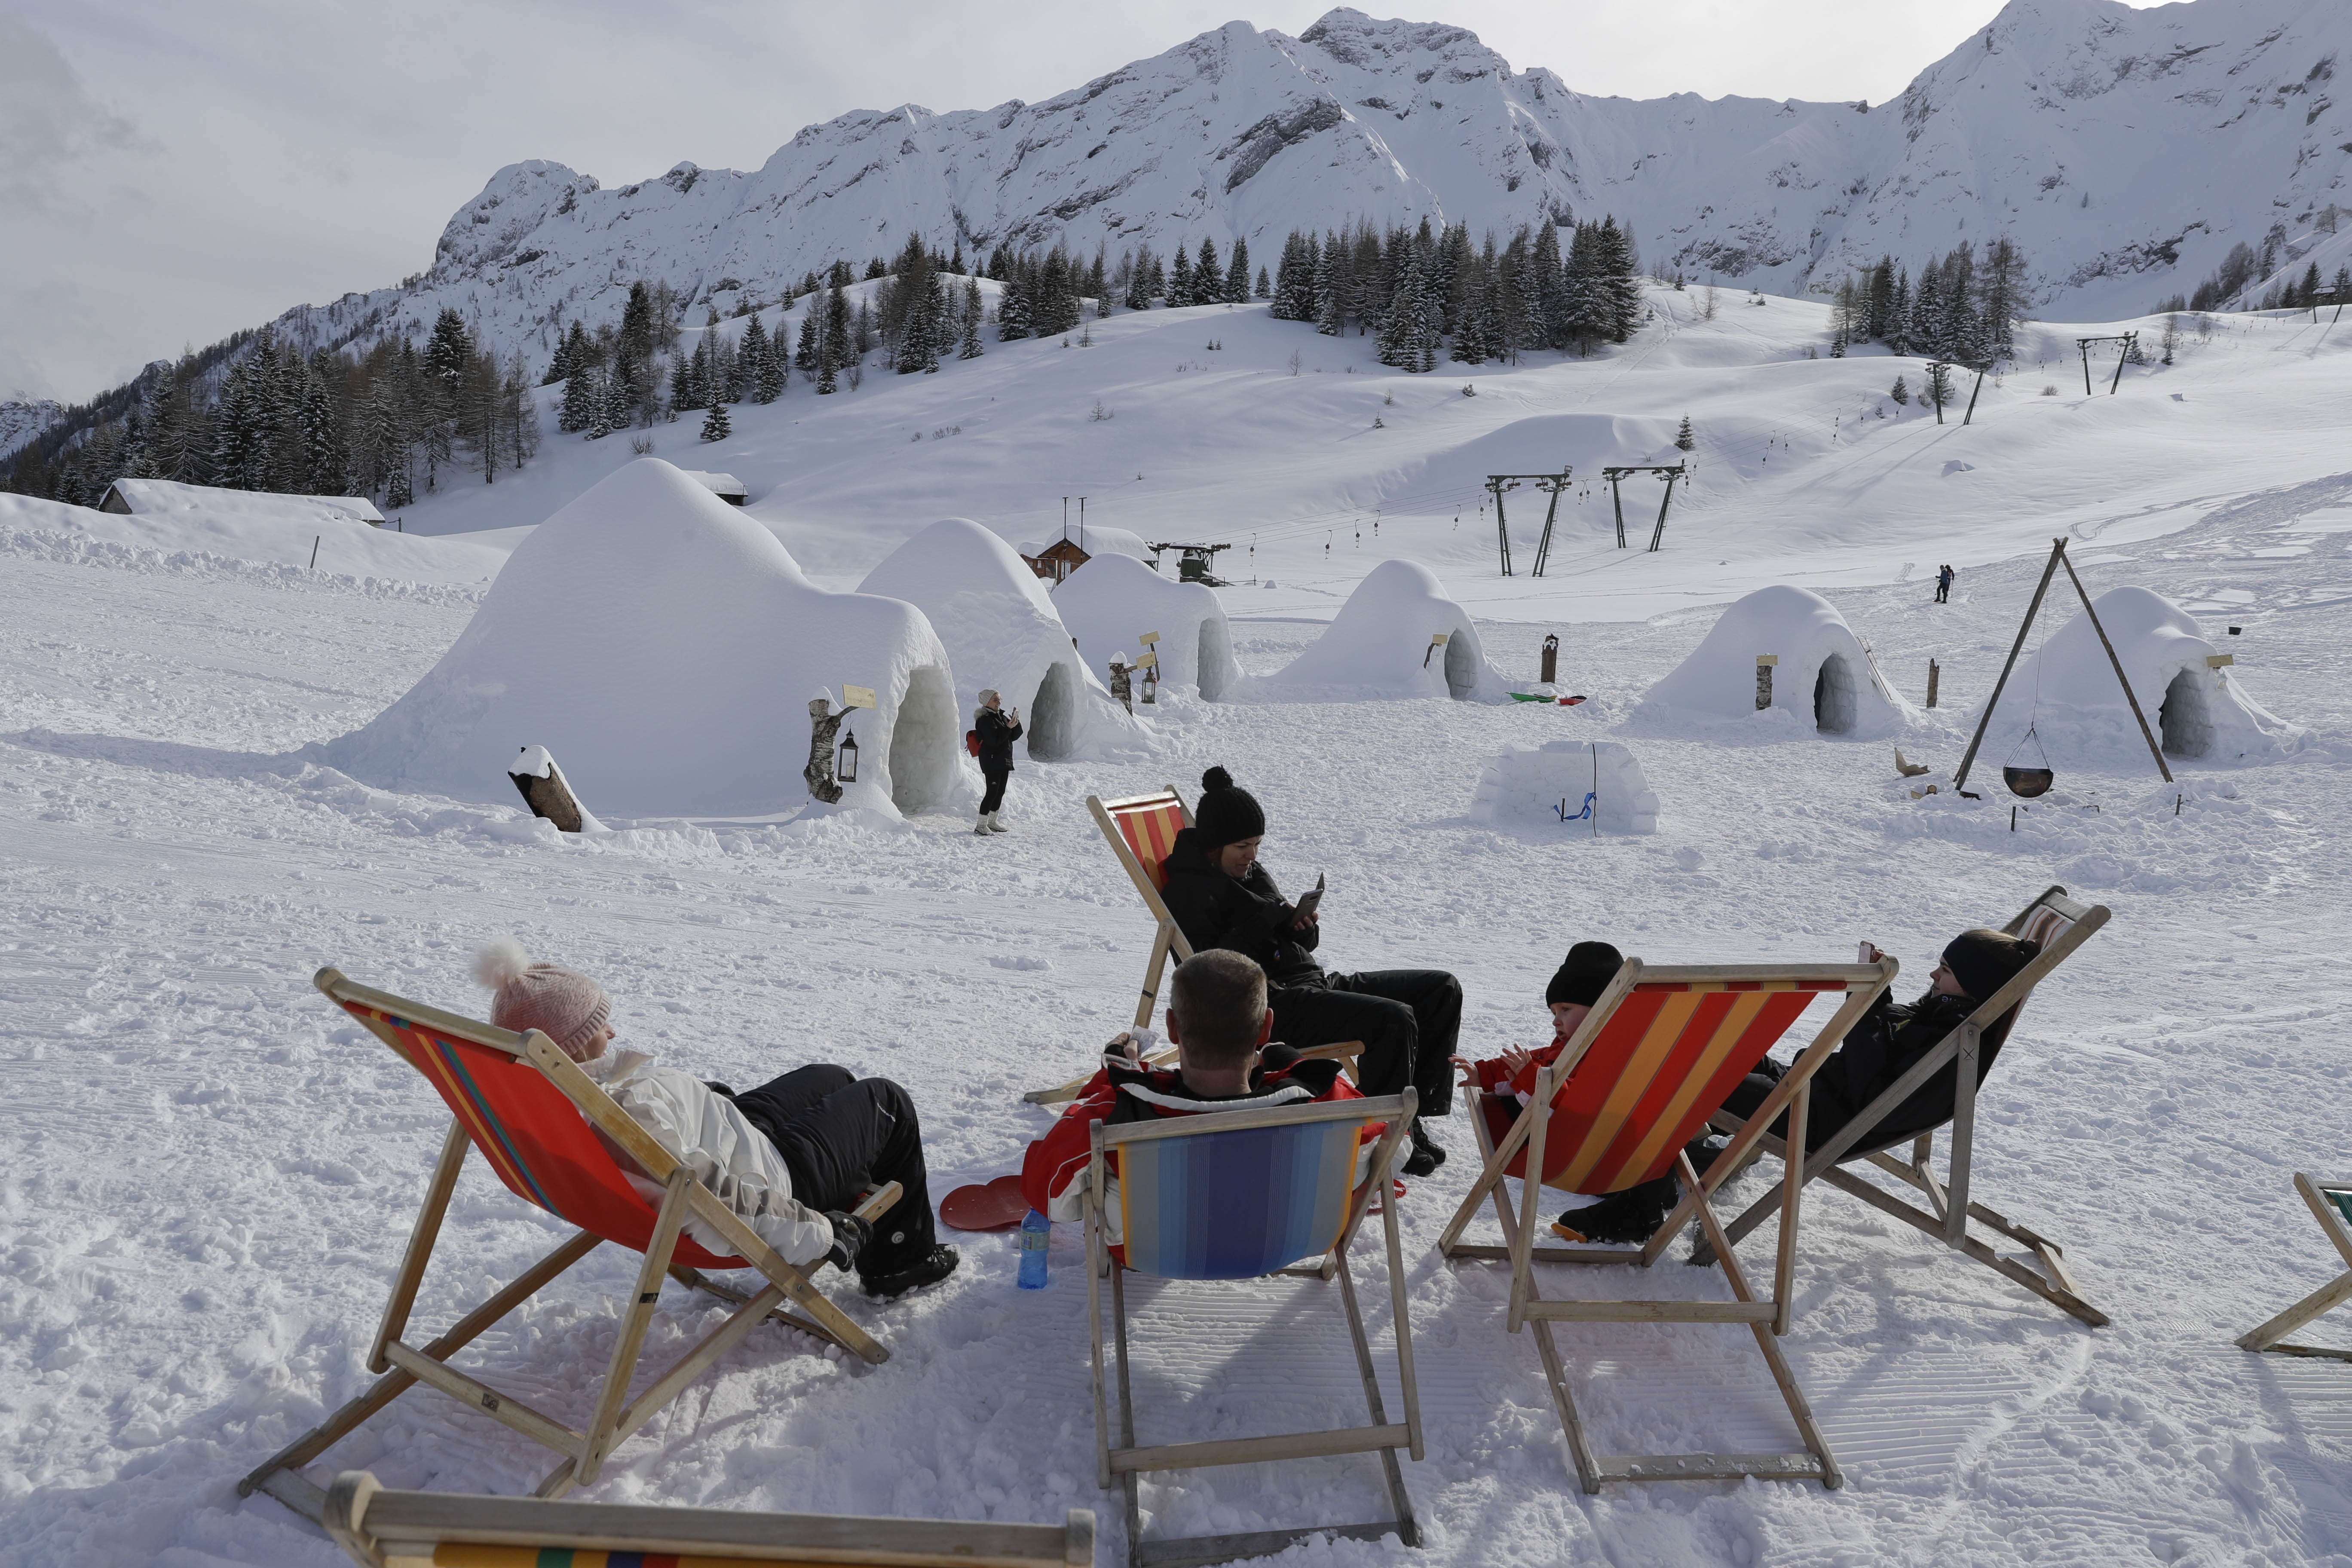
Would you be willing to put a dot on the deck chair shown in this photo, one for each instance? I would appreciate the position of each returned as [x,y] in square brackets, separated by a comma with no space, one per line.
[2331,1206]
[1140,830]
[1654,1059]
[2061,925]
[1241,1195]
[443,1529]
[537,1119]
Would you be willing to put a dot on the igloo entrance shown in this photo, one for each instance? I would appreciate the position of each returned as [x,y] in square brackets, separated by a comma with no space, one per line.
[2184,721]
[1052,712]
[1216,659]
[1460,666]
[923,741]
[1833,696]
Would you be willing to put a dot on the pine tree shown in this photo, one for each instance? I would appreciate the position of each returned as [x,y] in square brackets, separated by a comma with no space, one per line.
[835,348]
[1237,274]
[973,310]
[1264,290]
[804,357]
[1551,288]
[1900,392]
[715,424]
[579,401]
[1208,276]
[1139,279]
[1013,306]
[1926,315]
[1898,314]
[1684,440]
[1179,278]
[754,356]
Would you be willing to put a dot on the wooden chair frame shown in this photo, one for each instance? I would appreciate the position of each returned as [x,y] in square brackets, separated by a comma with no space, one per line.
[1950,1200]
[2271,1336]
[1767,1316]
[584,1453]
[1126,1460]
[383,1528]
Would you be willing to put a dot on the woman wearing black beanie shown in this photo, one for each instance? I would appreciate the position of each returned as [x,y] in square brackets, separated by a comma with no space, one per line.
[1407,1018]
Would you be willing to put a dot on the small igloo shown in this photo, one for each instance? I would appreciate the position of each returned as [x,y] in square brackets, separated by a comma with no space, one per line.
[1001,631]
[1574,786]
[1384,644]
[664,646]
[1820,672]
[2067,691]
[1111,601]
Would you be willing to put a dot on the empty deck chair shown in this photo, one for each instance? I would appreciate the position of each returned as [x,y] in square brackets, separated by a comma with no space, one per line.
[443,1529]
[2061,925]
[2331,1206]
[1236,1195]
[536,1118]
[1654,1059]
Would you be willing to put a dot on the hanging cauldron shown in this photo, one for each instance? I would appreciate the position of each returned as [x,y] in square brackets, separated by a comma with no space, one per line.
[2028,783]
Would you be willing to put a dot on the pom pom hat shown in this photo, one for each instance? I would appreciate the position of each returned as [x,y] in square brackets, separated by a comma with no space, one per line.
[563,1005]
[1227,814]
[1584,973]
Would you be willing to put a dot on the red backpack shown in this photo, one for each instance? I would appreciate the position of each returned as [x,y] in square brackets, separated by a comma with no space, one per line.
[972,742]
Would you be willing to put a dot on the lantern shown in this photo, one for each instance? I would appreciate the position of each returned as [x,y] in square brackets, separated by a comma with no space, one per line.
[1151,681]
[846,769]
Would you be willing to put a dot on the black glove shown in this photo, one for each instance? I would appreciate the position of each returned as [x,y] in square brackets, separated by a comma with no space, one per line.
[850,1235]
[719,1089]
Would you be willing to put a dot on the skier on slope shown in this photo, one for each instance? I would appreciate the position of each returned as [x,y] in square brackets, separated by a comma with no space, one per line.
[1943,575]
[997,731]
[1407,1018]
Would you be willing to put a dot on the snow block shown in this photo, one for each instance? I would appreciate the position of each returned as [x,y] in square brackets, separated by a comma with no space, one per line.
[1823,677]
[1530,783]
[1379,646]
[663,644]
[1112,600]
[1001,631]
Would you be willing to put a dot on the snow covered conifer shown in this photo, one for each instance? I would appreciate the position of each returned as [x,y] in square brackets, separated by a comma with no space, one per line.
[1013,306]
[579,401]
[1684,440]
[973,312]
[1237,274]
[1179,278]
[1207,275]
[1900,392]
[715,425]
[1264,290]
[1140,274]
[804,356]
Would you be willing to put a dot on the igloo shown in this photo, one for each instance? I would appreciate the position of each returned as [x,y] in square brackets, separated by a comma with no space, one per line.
[664,646]
[1382,643]
[1570,784]
[1821,673]
[2067,690]
[1001,631]
[1112,600]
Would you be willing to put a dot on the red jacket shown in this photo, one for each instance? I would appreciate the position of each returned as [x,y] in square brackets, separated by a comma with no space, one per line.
[1493,1074]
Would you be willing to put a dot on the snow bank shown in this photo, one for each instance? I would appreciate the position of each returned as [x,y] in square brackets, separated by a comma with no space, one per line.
[1823,677]
[1112,600]
[338,545]
[1379,644]
[154,498]
[1001,631]
[1095,539]
[664,644]
[1555,783]
[2066,689]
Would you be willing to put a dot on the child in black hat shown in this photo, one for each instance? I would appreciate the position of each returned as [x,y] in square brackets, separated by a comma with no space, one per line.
[1575,986]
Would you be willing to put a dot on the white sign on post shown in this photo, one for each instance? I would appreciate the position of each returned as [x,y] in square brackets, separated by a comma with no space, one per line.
[858,697]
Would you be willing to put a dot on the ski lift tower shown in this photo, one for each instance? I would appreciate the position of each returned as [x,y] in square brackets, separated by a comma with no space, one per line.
[1193,562]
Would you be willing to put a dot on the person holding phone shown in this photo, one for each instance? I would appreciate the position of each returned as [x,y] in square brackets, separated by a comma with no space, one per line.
[1223,898]
[998,729]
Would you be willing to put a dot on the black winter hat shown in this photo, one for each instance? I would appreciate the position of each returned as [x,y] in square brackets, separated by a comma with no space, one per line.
[1985,960]
[1584,973]
[1227,814]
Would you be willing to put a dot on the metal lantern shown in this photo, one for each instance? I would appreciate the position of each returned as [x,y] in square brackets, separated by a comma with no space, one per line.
[846,768]
[1151,681]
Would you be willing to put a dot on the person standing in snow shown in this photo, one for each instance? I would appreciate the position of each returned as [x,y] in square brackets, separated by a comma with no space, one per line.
[1221,898]
[998,729]
[1943,575]
[789,1157]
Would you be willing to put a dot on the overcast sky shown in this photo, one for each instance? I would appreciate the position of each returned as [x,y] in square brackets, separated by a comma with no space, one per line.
[171,173]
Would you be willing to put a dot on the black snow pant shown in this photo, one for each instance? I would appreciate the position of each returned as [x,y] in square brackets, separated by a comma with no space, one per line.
[841,1134]
[1408,1019]
[1943,592]
[995,796]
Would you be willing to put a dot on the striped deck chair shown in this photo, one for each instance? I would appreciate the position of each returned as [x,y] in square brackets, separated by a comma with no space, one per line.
[443,1529]
[1240,1194]
[536,1120]
[2331,1206]
[2061,925]
[1654,1059]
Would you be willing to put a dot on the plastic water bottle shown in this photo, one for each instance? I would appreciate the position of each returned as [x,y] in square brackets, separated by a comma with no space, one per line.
[1036,1230]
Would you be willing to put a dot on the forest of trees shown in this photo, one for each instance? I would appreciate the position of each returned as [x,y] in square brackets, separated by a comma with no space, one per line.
[1963,308]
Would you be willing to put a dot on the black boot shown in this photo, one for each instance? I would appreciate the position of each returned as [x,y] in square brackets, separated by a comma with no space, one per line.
[1621,1218]
[928,1269]
[1427,1155]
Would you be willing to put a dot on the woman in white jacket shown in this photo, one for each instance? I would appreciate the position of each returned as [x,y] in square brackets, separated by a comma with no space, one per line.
[789,1157]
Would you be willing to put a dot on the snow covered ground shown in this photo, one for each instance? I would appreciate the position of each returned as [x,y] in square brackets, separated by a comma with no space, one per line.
[211,1173]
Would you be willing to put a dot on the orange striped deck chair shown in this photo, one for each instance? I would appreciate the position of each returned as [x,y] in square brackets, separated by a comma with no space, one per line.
[384,1529]
[543,1127]
[1656,1057]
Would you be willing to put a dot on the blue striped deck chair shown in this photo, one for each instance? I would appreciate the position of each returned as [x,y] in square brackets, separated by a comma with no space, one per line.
[2331,1206]
[1241,1195]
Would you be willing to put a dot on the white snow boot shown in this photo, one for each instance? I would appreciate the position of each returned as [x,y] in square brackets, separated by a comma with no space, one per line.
[982,830]
[996,823]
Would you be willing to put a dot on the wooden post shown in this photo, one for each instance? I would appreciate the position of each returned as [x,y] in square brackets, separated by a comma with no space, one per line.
[314,549]
[546,791]
[2122,354]
[1934,669]
[1764,664]
[2085,344]
[2145,734]
[1550,659]
[1968,759]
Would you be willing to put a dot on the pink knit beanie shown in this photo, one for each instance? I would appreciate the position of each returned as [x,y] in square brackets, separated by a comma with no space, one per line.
[563,1005]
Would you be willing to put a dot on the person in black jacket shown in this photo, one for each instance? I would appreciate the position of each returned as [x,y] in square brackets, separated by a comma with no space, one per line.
[998,729]
[1887,1043]
[1221,898]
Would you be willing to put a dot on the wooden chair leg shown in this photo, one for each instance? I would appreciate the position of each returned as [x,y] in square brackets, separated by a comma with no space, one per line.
[1095,1259]
[639,1316]
[454,1147]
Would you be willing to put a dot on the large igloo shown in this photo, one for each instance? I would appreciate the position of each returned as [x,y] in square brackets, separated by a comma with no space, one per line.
[1824,676]
[665,647]
[2066,691]
[1112,600]
[1001,631]
[1382,643]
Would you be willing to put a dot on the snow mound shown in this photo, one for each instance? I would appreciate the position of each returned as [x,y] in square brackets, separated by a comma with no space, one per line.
[1382,645]
[1095,539]
[1111,601]
[2067,690]
[154,498]
[1001,631]
[664,644]
[1567,785]
[305,542]
[1824,676]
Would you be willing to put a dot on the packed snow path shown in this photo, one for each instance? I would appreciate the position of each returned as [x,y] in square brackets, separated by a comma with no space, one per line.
[212,1173]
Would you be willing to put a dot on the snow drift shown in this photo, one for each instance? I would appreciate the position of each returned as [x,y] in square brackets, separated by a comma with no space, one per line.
[1382,645]
[2066,691]
[1112,600]
[664,644]
[1824,677]
[1001,631]
[1568,785]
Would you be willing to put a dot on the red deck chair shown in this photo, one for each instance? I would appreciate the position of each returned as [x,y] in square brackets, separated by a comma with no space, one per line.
[537,1119]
